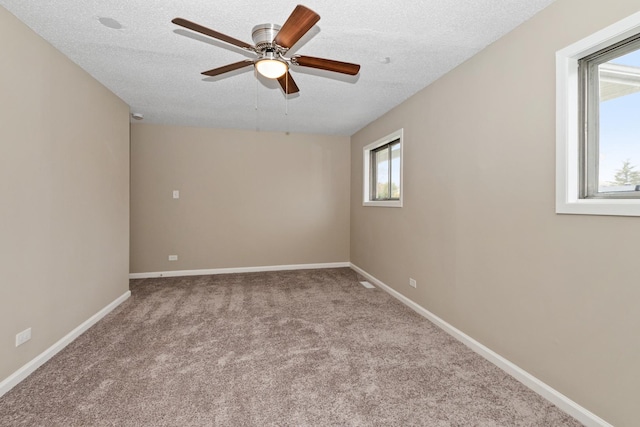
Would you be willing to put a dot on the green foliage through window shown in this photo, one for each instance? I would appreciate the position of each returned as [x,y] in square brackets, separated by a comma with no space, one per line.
[627,175]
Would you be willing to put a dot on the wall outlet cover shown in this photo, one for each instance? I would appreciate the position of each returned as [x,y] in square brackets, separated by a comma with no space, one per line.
[23,337]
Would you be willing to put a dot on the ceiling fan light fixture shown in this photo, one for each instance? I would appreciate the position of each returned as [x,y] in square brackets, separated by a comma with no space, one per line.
[271,66]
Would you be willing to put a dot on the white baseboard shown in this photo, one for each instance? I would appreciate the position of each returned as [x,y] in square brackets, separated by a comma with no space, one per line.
[26,370]
[580,413]
[206,272]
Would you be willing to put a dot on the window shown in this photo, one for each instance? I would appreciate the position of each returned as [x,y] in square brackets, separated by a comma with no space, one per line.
[598,123]
[610,99]
[383,171]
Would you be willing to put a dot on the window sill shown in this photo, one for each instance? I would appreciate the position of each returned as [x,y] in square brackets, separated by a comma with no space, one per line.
[617,207]
[384,204]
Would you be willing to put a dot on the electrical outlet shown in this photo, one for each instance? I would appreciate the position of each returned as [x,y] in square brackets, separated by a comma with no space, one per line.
[176,194]
[412,283]
[173,257]
[23,337]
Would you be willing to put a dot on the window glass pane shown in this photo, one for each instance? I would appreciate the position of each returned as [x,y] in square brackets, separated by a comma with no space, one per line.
[382,173]
[619,133]
[395,170]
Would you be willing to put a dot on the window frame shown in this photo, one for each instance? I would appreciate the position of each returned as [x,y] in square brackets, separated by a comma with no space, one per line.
[374,170]
[569,154]
[368,169]
[588,69]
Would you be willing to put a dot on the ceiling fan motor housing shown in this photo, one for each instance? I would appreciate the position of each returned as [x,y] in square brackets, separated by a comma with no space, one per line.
[263,35]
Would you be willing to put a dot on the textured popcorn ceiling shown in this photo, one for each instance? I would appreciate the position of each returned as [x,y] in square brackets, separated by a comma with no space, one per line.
[132,48]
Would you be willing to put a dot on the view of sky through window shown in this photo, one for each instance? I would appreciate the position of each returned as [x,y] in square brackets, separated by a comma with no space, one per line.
[619,141]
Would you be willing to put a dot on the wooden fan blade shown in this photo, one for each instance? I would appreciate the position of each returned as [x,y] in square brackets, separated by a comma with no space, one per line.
[327,64]
[288,85]
[211,33]
[299,22]
[227,68]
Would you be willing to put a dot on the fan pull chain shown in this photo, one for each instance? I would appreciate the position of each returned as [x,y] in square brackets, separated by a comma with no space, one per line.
[286,101]
[255,74]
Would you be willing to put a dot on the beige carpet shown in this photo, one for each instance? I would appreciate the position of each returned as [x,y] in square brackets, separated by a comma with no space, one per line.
[297,348]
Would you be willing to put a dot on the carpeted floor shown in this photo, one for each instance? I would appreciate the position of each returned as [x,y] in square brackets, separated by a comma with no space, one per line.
[295,348]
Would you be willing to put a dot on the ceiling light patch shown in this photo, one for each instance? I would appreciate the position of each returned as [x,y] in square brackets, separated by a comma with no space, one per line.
[110,23]
[271,66]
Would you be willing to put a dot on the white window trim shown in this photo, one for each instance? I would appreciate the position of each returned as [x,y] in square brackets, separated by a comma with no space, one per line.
[567,124]
[366,152]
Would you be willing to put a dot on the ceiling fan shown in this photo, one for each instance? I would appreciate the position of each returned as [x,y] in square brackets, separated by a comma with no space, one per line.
[272,43]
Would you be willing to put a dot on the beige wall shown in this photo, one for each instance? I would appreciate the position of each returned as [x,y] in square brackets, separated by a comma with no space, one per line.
[557,295]
[64,194]
[247,198]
